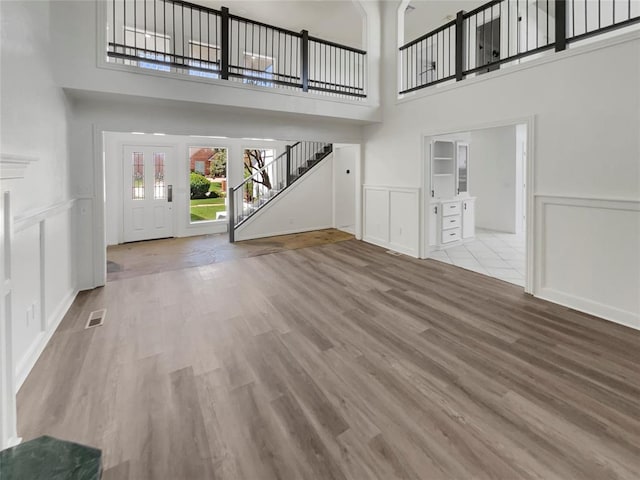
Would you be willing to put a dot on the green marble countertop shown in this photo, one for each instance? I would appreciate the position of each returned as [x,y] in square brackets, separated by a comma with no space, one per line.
[51,459]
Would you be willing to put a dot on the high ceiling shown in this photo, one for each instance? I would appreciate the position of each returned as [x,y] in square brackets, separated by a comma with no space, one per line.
[336,20]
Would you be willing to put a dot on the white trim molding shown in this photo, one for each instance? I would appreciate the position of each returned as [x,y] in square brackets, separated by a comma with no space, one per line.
[600,274]
[14,166]
[391,218]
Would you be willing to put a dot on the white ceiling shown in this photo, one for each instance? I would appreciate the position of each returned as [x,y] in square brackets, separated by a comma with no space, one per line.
[335,20]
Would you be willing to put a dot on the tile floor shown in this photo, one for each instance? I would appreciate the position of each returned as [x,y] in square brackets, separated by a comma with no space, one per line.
[496,254]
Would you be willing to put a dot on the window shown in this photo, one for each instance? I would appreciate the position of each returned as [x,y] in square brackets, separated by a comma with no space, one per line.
[148,45]
[260,67]
[208,183]
[204,56]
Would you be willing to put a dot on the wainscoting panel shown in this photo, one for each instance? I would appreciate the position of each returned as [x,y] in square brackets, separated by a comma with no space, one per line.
[589,255]
[392,218]
[44,286]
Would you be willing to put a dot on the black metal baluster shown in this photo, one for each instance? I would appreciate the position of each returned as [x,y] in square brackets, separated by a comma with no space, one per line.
[561,25]
[548,39]
[113,24]
[600,14]
[586,23]
[537,24]
[305,61]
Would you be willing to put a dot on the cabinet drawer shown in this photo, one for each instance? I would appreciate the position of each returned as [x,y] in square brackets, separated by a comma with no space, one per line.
[451,222]
[452,235]
[449,209]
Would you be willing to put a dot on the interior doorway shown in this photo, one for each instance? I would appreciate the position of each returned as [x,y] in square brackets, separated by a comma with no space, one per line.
[477,202]
[345,187]
[147,192]
[488,45]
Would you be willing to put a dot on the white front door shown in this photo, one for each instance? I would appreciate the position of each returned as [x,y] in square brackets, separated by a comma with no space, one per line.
[148,192]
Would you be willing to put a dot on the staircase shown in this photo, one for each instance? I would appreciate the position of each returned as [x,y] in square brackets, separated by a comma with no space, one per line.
[268,181]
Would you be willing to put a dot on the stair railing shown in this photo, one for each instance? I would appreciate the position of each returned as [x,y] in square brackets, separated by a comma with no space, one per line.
[267,182]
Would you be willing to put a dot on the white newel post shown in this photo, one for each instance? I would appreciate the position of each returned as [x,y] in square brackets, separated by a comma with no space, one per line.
[12,169]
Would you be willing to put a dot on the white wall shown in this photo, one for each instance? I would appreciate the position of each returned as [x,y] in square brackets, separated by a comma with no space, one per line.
[492,178]
[585,145]
[34,125]
[344,185]
[97,113]
[114,142]
[304,206]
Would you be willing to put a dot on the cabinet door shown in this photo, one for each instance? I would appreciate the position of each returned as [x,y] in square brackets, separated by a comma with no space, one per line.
[468,219]
[462,168]
[443,169]
[433,224]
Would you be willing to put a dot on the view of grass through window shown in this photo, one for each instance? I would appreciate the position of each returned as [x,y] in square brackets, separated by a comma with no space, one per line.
[208,182]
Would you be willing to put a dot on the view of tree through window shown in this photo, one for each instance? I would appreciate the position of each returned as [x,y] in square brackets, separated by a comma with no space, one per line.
[208,183]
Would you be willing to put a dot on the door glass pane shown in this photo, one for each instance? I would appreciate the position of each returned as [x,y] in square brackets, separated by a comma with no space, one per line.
[158,185]
[137,167]
[462,168]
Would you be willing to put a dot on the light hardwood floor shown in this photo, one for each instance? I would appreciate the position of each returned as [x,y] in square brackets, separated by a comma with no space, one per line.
[338,362]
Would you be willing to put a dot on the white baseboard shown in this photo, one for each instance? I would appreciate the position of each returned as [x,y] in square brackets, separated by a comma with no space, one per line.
[390,246]
[26,363]
[13,441]
[350,230]
[283,232]
[616,315]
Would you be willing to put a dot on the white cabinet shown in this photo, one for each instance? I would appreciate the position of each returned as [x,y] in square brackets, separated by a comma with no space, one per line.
[449,169]
[452,212]
[451,221]
[443,169]
[468,218]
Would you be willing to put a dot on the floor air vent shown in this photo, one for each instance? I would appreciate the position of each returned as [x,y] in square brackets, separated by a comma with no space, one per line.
[395,254]
[96,318]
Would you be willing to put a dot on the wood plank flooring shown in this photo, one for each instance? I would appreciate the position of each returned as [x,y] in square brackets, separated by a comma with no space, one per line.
[338,362]
[153,256]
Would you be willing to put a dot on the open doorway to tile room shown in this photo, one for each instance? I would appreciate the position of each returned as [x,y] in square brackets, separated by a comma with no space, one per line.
[477,201]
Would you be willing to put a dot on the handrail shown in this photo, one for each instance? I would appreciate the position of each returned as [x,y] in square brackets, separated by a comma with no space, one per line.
[262,24]
[499,32]
[187,32]
[482,7]
[195,6]
[337,45]
[254,174]
[427,35]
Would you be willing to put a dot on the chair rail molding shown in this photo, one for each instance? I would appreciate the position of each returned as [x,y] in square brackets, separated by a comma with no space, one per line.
[14,166]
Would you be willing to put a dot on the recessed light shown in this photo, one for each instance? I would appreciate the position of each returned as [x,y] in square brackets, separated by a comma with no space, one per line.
[160,134]
[206,136]
[137,133]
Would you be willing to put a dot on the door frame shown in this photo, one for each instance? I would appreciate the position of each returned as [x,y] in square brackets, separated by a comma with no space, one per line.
[529,176]
[357,188]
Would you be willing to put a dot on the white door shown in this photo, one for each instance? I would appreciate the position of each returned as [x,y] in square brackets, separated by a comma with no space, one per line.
[148,192]
[345,188]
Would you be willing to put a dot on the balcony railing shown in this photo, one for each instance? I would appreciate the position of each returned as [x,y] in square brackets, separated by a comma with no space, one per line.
[505,31]
[185,38]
